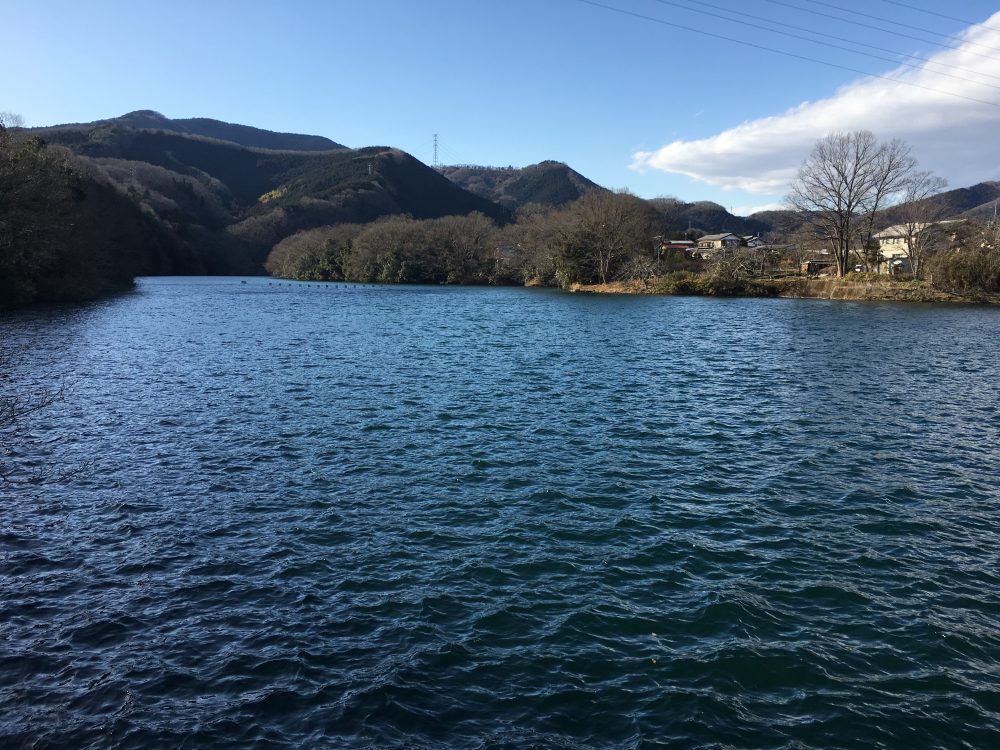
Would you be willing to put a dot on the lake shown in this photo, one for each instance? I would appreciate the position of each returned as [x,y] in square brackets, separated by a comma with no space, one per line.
[322,515]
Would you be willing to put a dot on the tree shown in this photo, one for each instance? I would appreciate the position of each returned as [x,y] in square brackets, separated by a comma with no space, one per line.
[600,230]
[972,264]
[17,401]
[843,184]
[919,214]
[465,244]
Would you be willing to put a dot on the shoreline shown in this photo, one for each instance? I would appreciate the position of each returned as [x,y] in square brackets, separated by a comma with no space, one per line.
[829,288]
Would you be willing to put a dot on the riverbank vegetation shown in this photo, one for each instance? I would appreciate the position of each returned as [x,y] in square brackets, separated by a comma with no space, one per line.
[66,234]
[609,242]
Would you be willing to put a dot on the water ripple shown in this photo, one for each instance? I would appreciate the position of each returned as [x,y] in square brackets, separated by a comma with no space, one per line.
[425,517]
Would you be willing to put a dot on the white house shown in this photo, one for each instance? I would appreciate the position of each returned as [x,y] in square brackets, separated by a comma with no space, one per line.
[710,244]
[894,245]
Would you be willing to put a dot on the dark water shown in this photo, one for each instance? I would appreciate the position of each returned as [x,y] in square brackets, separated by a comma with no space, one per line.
[435,517]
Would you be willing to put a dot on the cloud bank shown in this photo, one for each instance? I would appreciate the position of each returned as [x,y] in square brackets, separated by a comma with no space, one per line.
[955,137]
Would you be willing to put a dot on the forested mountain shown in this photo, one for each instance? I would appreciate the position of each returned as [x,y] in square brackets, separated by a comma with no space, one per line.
[979,201]
[243,135]
[227,205]
[67,233]
[706,217]
[549,183]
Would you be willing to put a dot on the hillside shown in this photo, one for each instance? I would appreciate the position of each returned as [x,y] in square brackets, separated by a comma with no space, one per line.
[67,233]
[229,204]
[975,202]
[243,135]
[549,183]
[676,217]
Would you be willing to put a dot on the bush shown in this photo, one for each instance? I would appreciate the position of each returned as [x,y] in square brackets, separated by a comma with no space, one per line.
[864,277]
[712,285]
[972,271]
[678,282]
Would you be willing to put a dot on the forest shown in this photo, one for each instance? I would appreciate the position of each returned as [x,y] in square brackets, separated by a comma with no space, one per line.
[66,232]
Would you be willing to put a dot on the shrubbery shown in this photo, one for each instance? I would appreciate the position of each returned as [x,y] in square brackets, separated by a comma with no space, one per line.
[972,271]
[712,285]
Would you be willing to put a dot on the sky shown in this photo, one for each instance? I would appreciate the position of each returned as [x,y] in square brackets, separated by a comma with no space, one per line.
[715,100]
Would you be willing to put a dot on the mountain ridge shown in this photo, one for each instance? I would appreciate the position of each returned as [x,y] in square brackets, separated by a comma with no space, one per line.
[243,135]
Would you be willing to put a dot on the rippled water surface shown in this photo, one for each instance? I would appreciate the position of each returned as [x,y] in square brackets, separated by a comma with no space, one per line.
[330,516]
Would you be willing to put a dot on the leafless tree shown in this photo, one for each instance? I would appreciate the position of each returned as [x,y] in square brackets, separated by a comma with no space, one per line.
[844,182]
[919,214]
[606,228]
[17,402]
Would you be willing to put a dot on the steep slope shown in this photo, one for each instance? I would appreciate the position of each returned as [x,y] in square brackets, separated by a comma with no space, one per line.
[66,232]
[230,204]
[549,183]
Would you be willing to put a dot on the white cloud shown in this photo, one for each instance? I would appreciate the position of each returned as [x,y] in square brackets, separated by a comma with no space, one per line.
[952,136]
[747,210]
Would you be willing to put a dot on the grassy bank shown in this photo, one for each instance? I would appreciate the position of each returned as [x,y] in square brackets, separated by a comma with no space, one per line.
[864,287]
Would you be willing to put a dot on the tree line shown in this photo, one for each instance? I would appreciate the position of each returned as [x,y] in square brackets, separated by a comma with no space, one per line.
[595,239]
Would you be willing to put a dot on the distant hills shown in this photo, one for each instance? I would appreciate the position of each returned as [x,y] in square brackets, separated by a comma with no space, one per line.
[243,135]
[979,201]
[549,183]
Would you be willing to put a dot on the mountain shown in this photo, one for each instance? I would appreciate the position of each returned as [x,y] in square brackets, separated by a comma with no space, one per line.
[676,217]
[67,233]
[549,183]
[975,202]
[229,204]
[243,135]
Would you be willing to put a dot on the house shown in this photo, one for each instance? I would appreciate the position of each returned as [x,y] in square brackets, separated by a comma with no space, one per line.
[894,245]
[685,245]
[710,244]
[751,240]
[894,249]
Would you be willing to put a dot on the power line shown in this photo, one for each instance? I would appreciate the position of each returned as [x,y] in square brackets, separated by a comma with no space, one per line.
[898,23]
[824,43]
[876,28]
[785,52]
[939,15]
[807,30]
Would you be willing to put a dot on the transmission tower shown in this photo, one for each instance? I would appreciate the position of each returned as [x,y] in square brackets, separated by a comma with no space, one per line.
[437,164]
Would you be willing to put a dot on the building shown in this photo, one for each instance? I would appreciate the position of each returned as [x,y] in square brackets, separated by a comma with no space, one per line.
[894,245]
[685,245]
[710,244]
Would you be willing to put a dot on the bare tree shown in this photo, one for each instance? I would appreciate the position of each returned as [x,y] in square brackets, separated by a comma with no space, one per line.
[603,229]
[844,182]
[919,214]
[17,401]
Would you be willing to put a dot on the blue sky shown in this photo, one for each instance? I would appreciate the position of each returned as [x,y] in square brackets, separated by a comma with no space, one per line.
[628,101]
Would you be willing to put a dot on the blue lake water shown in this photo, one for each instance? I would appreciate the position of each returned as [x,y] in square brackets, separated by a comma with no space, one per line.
[348,516]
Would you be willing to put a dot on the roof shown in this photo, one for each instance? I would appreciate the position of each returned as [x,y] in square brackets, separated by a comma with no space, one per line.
[717,236]
[902,230]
